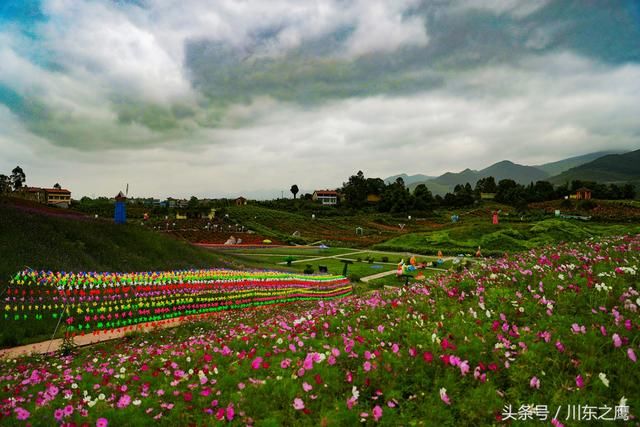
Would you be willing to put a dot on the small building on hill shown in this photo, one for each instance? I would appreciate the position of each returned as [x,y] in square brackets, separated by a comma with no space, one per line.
[325,197]
[60,197]
[373,198]
[583,194]
[35,194]
[487,196]
[240,201]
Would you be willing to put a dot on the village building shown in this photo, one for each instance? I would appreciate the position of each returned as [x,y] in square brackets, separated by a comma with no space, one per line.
[240,201]
[326,197]
[583,194]
[59,197]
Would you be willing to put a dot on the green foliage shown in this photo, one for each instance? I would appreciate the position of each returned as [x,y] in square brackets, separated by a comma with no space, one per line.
[308,269]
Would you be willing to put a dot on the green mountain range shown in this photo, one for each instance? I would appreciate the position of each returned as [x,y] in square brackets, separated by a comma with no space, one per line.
[557,172]
[611,168]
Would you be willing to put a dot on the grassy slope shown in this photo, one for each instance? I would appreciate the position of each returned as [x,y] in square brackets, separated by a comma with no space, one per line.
[54,243]
[495,240]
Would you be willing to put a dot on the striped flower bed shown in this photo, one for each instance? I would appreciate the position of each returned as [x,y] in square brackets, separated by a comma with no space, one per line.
[99,301]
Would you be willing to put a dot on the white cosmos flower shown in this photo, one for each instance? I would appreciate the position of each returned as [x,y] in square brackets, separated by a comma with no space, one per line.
[603,378]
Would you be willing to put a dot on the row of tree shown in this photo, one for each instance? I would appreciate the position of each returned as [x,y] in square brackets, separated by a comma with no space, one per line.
[396,197]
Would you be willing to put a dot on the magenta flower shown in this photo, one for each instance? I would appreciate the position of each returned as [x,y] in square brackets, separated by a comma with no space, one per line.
[22,414]
[534,383]
[102,422]
[230,412]
[285,363]
[631,354]
[366,366]
[124,401]
[68,410]
[377,412]
[395,348]
[58,414]
[444,396]
[617,342]
[579,381]
[560,346]
[256,363]
[298,404]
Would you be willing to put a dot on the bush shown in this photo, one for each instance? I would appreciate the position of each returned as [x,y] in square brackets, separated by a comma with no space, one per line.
[354,278]
[586,205]
[385,259]
[289,260]
[566,204]
[308,269]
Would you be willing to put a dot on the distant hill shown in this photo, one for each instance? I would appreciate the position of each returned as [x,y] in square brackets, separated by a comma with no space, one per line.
[408,179]
[610,168]
[556,168]
[501,170]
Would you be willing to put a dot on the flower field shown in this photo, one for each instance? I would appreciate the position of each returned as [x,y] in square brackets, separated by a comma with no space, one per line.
[517,340]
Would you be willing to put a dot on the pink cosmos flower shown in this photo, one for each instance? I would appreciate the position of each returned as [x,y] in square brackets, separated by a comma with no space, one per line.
[230,412]
[377,412]
[22,414]
[617,342]
[285,363]
[534,383]
[579,381]
[560,346]
[256,363]
[464,368]
[380,328]
[331,360]
[444,396]
[298,404]
[124,401]
[631,354]
[556,423]
[351,401]
[395,348]
[102,422]
[58,414]
[366,366]
[306,386]
[68,410]
[241,386]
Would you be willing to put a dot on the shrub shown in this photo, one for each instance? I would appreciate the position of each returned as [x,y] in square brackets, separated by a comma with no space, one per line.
[566,203]
[308,269]
[385,259]
[353,277]
[586,205]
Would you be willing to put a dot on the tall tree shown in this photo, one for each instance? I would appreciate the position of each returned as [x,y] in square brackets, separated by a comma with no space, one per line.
[5,184]
[18,178]
[355,190]
[423,199]
[294,190]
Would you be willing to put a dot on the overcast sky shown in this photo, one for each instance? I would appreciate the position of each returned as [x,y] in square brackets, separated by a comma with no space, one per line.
[230,97]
